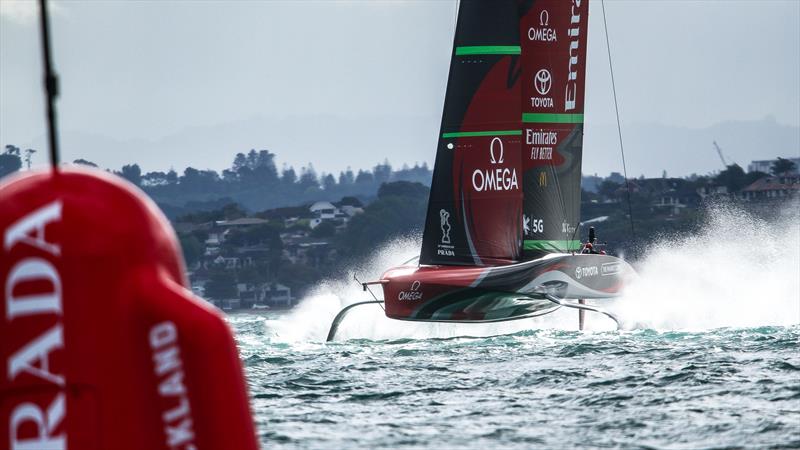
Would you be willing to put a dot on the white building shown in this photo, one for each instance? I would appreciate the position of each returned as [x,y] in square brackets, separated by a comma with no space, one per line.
[277,295]
[766,165]
[327,211]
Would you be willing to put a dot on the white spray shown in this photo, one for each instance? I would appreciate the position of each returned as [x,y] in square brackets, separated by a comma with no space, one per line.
[738,271]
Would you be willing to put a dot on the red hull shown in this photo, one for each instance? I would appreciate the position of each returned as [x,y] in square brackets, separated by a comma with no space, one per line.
[481,294]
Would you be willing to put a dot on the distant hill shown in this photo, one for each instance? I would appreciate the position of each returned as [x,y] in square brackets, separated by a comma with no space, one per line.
[333,143]
[653,148]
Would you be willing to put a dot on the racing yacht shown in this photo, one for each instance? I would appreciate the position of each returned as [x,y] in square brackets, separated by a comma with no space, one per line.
[501,235]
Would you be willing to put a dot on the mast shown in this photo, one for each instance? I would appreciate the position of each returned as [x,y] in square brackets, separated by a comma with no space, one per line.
[553,51]
[50,84]
[475,208]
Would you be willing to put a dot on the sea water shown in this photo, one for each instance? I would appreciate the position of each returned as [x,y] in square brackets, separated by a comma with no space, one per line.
[708,358]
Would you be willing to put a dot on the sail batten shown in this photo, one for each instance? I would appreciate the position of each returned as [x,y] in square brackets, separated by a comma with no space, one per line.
[482,133]
[488,50]
[551,118]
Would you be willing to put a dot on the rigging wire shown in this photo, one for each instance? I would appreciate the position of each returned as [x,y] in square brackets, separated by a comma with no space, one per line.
[50,85]
[619,128]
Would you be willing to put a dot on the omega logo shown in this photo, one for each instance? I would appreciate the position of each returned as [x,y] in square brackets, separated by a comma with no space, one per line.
[491,151]
[412,294]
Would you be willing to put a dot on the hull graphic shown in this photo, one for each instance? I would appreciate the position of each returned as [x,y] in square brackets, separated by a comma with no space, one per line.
[484,294]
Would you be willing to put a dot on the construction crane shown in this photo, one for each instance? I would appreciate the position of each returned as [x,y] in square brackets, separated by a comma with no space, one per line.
[719,152]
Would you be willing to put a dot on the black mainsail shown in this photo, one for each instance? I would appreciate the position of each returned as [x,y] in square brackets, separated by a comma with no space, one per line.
[475,208]
[506,181]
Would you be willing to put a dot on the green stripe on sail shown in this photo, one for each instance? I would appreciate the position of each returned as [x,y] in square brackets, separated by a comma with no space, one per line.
[488,50]
[482,133]
[551,118]
[553,245]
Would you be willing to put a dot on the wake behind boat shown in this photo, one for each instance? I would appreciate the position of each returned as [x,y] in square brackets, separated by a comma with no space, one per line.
[504,210]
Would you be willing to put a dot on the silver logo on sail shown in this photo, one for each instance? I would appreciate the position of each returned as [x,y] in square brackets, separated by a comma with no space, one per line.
[444,218]
[491,151]
[499,178]
[543,81]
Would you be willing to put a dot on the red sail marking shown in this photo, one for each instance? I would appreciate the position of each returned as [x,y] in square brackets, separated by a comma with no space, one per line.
[552,73]
[553,40]
[487,170]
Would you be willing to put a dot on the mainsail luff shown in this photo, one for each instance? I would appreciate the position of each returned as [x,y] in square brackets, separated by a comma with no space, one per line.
[553,53]
[475,207]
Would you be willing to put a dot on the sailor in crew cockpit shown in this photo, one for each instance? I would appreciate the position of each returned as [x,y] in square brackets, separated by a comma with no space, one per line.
[589,246]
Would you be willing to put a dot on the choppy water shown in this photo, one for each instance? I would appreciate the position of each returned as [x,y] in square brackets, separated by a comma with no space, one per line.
[710,358]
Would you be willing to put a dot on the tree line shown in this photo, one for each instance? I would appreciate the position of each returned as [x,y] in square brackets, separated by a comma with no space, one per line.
[253,180]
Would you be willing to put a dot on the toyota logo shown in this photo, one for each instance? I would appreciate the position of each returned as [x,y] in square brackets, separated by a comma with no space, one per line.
[543,81]
[491,151]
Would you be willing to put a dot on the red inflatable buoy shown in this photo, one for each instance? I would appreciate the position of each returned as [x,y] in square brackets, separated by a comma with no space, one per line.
[103,345]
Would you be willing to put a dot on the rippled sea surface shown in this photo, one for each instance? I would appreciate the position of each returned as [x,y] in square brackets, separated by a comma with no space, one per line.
[723,388]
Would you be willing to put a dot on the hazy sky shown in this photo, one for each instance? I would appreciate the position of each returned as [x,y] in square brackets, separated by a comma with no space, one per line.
[349,83]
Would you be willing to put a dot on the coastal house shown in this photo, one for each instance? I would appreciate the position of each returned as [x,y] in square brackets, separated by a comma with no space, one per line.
[276,295]
[350,210]
[248,294]
[289,215]
[325,212]
[330,212]
[772,188]
[676,200]
[214,239]
[228,263]
[712,191]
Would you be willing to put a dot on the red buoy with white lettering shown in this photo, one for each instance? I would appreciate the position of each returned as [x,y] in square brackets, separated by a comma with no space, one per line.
[102,344]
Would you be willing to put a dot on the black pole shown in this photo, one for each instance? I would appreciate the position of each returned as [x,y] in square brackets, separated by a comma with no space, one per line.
[50,85]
